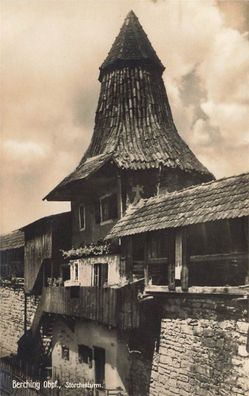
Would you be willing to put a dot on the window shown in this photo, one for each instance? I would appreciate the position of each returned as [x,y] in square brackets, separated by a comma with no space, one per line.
[99,359]
[82,220]
[158,244]
[100,275]
[85,355]
[76,272]
[65,352]
[108,208]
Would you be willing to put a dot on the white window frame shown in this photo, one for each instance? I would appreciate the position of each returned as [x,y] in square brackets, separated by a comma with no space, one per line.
[101,212]
[82,205]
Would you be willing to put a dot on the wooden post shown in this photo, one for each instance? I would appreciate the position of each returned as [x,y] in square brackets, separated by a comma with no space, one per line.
[146,264]
[171,269]
[181,267]
[120,198]
[52,270]
[44,264]
[129,258]
[247,237]
[158,185]
[25,313]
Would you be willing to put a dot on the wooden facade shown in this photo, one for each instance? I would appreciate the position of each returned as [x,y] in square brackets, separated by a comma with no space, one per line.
[115,307]
[44,240]
[208,254]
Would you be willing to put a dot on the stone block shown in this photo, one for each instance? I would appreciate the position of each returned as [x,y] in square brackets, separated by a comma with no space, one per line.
[242,351]
[167,360]
[242,327]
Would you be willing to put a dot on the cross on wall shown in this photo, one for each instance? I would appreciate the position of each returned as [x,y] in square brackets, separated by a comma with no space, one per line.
[137,190]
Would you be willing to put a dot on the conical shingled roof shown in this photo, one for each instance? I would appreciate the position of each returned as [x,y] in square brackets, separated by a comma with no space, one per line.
[134,126]
[132,44]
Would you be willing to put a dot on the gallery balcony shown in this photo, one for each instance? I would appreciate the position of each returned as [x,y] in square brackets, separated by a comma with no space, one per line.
[115,307]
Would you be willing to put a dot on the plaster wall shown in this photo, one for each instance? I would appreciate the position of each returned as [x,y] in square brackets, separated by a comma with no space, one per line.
[89,334]
[85,270]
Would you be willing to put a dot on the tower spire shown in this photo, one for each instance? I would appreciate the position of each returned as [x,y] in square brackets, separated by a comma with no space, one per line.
[134,126]
[131,46]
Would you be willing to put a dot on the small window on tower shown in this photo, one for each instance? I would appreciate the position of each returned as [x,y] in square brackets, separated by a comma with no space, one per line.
[82,217]
[65,352]
[85,355]
[108,208]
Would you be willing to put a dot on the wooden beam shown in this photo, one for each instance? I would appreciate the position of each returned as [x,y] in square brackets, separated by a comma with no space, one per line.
[25,313]
[152,260]
[120,200]
[171,267]
[225,290]
[146,263]
[181,267]
[247,237]
[219,257]
[129,257]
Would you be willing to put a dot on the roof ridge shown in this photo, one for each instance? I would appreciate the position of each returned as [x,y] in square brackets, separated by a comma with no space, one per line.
[53,215]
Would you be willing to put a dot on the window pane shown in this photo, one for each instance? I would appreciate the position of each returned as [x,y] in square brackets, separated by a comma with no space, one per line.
[100,274]
[109,208]
[65,352]
[85,354]
[82,216]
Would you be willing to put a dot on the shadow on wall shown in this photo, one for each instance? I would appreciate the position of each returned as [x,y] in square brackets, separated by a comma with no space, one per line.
[196,345]
[143,347]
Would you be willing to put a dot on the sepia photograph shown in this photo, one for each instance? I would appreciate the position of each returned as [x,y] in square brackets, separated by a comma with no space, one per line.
[124,212]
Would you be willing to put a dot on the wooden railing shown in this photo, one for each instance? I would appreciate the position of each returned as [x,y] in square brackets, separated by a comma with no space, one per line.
[220,257]
[116,307]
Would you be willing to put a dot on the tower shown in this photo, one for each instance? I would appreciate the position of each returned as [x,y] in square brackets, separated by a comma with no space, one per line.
[134,128]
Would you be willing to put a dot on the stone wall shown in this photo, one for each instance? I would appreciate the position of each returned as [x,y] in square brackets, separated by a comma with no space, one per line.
[204,348]
[12,316]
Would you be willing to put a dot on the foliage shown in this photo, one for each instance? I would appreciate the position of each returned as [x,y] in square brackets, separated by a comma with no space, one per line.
[88,250]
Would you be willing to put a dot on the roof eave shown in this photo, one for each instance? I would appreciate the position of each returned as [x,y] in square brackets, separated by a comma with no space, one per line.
[60,192]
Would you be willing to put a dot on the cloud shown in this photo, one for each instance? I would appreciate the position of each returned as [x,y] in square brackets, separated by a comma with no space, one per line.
[24,150]
[51,52]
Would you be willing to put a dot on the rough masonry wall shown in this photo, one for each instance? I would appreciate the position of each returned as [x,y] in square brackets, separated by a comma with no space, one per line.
[12,316]
[204,348]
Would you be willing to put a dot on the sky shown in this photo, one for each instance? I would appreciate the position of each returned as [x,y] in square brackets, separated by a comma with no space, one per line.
[50,54]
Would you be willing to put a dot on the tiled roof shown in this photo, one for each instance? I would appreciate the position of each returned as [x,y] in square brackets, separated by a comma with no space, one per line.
[132,44]
[13,240]
[222,199]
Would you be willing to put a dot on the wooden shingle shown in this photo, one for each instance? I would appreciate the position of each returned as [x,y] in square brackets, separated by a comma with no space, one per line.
[222,199]
[134,124]
[13,240]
